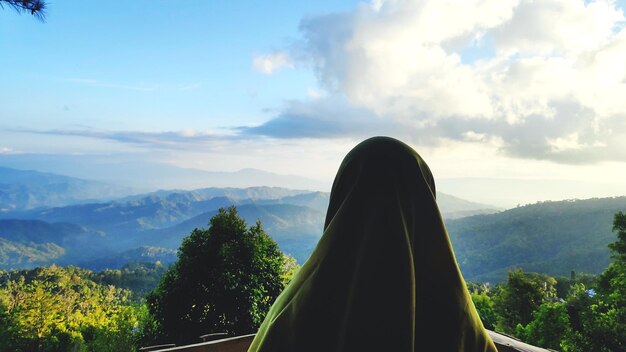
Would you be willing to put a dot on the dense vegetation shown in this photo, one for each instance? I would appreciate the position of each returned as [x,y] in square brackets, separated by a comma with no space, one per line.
[576,314]
[62,309]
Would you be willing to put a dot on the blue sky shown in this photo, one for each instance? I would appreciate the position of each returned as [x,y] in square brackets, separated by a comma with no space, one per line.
[509,90]
[149,67]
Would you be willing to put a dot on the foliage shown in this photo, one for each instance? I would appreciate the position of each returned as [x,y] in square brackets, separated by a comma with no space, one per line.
[485,308]
[58,309]
[547,237]
[139,278]
[591,317]
[550,324]
[599,317]
[225,280]
[522,294]
[35,7]
[618,247]
[565,284]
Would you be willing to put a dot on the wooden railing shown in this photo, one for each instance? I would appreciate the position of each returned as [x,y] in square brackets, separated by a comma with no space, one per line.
[241,343]
[232,344]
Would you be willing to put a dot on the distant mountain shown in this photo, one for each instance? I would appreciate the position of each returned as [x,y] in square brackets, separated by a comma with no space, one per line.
[248,193]
[452,207]
[117,228]
[138,173]
[159,209]
[26,255]
[127,218]
[22,190]
[295,228]
[314,200]
[547,237]
[28,243]
[293,217]
[141,254]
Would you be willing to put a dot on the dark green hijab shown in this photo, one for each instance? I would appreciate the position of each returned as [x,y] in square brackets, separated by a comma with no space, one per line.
[383,277]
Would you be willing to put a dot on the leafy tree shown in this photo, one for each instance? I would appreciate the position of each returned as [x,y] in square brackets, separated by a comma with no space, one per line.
[565,284]
[550,324]
[522,294]
[140,278]
[485,308]
[619,247]
[225,280]
[599,317]
[60,309]
[35,7]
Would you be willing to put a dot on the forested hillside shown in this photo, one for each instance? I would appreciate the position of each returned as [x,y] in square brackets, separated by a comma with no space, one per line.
[28,243]
[547,237]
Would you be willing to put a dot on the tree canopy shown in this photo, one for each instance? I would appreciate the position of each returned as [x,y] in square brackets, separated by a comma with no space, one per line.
[61,309]
[225,280]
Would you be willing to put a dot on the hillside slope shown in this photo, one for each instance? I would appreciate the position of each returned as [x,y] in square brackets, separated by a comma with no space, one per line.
[28,243]
[548,237]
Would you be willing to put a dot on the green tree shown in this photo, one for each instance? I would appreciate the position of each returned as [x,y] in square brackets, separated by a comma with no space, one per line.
[225,279]
[618,247]
[60,309]
[485,308]
[549,326]
[599,317]
[522,294]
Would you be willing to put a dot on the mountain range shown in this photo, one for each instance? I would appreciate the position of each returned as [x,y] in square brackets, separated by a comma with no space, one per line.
[26,189]
[550,237]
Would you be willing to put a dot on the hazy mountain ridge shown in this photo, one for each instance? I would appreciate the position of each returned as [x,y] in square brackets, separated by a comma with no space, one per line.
[551,237]
[452,207]
[27,243]
[26,189]
[295,228]
[25,255]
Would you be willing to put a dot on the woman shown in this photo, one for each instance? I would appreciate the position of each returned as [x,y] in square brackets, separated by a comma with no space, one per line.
[383,277]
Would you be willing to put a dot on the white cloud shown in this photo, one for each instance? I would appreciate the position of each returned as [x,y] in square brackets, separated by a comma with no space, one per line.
[314,93]
[558,27]
[271,63]
[6,150]
[548,70]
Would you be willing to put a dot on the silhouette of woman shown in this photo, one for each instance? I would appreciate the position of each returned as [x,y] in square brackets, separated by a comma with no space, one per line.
[383,277]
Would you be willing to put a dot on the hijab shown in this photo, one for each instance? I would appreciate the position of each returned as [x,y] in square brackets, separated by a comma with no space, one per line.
[383,276]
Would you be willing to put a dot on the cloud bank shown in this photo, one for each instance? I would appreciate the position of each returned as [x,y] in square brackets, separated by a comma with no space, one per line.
[182,139]
[535,79]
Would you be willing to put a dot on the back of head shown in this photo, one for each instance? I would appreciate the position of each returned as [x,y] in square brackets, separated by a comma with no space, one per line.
[378,166]
[383,276]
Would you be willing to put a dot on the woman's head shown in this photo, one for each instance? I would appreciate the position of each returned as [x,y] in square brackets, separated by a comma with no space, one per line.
[380,168]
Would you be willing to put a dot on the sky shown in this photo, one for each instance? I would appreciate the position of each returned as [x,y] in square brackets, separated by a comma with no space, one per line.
[509,102]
